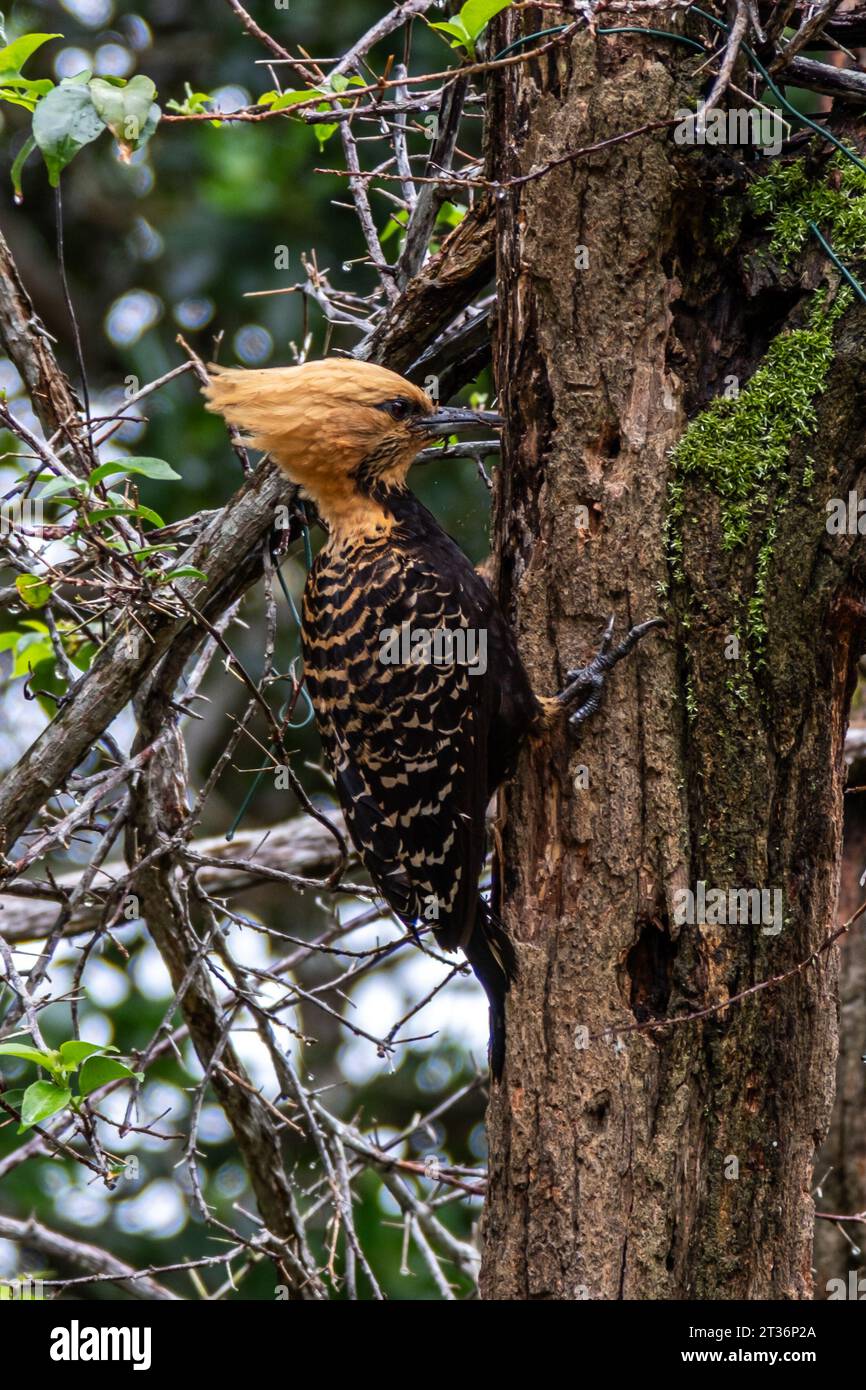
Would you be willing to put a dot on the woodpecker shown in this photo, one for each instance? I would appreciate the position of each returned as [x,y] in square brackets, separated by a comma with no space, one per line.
[417,736]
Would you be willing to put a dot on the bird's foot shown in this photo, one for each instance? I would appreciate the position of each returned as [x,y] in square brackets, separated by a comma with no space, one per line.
[582,692]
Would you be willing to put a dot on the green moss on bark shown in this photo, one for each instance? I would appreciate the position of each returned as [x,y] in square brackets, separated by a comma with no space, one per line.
[791,199]
[740,445]
[738,449]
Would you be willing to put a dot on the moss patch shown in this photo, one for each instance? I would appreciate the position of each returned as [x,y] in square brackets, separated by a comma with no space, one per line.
[836,204]
[740,445]
[738,448]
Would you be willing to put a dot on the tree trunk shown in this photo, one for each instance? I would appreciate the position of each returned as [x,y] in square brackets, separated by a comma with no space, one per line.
[631,1161]
[841,1164]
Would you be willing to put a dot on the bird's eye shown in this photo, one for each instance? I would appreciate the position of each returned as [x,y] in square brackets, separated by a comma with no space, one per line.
[399,408]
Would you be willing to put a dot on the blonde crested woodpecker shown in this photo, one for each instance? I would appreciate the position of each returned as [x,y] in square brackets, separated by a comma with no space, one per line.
[415,748]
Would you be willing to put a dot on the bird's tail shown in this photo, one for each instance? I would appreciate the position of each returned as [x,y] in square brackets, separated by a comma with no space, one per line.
[490,952]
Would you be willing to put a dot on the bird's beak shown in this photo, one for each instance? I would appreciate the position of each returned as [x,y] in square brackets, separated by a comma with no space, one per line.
[452,419]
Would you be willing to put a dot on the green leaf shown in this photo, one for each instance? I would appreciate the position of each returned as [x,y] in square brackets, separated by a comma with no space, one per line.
[13,1098]
[196,103]
[125,509]
[450,215]
[477,14]
[24,91]
[45,682]
[104,514]
[30,654]
[127,109]
[96,1071]
[56,485]
[185,572]
[146,550]
[63,123]
[42,1100]
[28,1054]
[83,656]
[18,167]
[39,86]
[149,468]
[324,132]
[33,590]
[148,514]
[15,55]
[279,101]
[455,29]
[74,1052]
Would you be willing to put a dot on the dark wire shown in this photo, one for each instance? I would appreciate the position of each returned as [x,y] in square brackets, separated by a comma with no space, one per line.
[657,34]
[798,115]
[528,38]
[840,265]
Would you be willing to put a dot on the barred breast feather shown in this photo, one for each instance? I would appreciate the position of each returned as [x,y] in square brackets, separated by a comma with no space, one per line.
[415,749]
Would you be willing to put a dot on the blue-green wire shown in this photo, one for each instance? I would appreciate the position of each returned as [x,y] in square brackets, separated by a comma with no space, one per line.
[657,34]
[305,532]
[528,38]
[692,43]
[291,602]
[758,65]
[798,115]
[287,594]
[805,120]
[308,561]
[245,804]
[620,29]
[840,265]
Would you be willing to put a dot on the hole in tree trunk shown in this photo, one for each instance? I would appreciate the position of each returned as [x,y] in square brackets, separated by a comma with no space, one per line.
[649,964]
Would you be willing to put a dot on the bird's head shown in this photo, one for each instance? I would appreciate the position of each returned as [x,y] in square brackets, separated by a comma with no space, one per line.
[344,430]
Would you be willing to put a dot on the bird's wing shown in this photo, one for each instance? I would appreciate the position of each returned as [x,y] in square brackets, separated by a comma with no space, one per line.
[406,741]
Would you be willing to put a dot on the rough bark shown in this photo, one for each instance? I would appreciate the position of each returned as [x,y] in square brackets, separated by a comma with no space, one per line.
[28,345]
[663,1163]
[841,1164]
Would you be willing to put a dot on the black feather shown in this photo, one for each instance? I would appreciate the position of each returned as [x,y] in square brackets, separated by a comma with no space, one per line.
[417,750]
[490,952]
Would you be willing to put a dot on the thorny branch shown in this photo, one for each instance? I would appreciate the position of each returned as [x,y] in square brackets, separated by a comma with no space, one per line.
[156,637]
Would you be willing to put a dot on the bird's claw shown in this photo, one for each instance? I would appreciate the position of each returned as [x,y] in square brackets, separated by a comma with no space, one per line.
[584,685]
